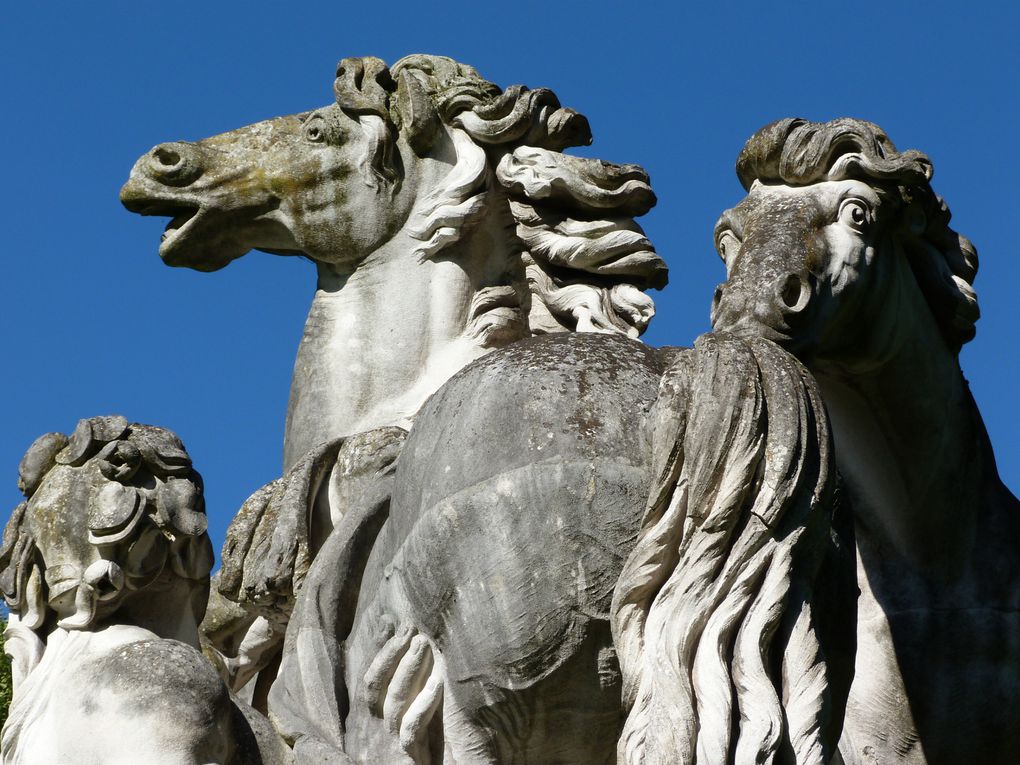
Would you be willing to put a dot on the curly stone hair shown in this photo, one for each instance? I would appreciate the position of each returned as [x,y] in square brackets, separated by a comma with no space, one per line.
[585,262]
[798,152]
[128,492]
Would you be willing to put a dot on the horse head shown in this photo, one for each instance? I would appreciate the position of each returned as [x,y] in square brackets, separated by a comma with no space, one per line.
[326,183]
[838,241]
[430,148]
[114,510]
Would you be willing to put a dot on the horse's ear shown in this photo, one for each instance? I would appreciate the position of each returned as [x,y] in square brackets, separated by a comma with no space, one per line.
[419,119]
[363,85]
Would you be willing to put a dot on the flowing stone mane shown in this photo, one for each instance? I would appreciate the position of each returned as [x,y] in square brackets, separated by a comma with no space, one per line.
[584,260]
[713,615]
[798,152]
[107,512]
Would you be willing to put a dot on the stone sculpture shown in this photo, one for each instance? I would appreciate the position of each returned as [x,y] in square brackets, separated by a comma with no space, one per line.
[443,221]
[842,253]
[509,532]
[426,179]
[477,629]
[435,205]
[105,568]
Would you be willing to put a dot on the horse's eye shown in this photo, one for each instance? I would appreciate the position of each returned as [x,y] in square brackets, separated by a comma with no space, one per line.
[855,214]
[727,245]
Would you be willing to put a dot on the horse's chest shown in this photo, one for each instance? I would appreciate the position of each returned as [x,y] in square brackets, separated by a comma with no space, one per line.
[934,685]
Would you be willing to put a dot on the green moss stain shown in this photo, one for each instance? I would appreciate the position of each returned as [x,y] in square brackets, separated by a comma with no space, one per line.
[6,683]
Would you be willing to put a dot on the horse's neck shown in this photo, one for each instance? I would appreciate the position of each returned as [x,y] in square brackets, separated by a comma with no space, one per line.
[912,451]
[382,339]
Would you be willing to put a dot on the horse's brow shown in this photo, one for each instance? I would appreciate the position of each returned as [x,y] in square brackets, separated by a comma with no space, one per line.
[727,221]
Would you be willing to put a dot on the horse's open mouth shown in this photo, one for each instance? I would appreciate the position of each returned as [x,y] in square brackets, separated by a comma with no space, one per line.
[196,236]
[176,231]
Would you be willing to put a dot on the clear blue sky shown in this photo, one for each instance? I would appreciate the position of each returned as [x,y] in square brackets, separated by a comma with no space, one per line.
[91,322]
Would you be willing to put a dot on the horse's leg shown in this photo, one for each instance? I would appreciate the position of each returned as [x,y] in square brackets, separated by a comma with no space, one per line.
[309,700]
[934,685]
[878,724]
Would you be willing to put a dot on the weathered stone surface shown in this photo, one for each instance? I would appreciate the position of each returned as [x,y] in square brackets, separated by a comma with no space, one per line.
[842,253]
[453,224]
[105,569]
[491,547]
[462,595]
[405,192]
[473,608]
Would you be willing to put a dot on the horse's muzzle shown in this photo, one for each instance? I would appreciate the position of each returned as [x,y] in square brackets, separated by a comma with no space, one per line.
[772,309]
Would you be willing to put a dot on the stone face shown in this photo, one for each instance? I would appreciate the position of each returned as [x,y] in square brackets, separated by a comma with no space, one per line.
[105,568]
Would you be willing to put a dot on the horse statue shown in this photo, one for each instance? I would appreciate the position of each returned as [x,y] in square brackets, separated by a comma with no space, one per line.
[400,193]
[507,530]
[842,254]
[443,222]
[105,569]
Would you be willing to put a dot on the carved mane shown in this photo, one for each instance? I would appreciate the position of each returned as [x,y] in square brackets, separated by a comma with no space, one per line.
[798,152]
[713,614]
[584,262]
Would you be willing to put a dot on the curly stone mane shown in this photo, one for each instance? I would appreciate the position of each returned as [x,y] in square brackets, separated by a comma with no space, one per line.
[121,507]
[583,262]
[798,152]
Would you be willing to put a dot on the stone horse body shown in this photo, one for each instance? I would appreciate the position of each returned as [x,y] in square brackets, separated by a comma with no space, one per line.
[467,598]
[843,254]
[106,570]
[443,221]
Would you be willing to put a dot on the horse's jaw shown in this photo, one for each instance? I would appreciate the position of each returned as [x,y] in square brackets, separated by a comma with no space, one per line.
[194,237]
[908,443]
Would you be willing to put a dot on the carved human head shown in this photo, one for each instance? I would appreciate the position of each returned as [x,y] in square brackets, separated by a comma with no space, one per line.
[115,509]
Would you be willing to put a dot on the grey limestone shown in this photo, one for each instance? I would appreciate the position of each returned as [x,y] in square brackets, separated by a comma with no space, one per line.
[508,531]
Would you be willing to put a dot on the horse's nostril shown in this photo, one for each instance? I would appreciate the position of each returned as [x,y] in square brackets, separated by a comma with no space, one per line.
[793,292]
[166,156]
[174,164]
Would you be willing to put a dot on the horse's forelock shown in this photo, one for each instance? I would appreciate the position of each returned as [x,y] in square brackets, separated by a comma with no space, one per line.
[797,152]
